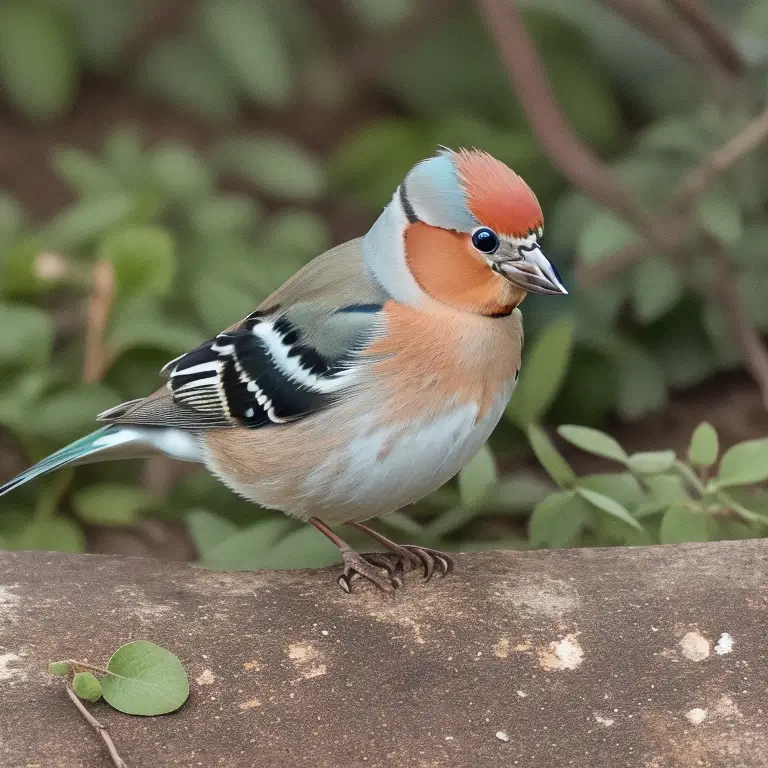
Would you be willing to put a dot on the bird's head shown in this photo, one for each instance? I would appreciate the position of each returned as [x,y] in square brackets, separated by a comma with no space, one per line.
[468,229]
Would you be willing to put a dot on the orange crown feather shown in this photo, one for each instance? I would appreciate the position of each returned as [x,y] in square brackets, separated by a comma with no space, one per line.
[496,196]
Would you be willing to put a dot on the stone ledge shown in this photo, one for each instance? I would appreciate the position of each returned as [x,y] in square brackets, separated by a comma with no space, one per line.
[623,657]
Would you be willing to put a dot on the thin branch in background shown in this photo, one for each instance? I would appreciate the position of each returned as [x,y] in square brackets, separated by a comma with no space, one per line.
[567,152]
[588,173]
[99,728]
[97,356]
[660,24]
[743,331]
[713,32]
[691,188]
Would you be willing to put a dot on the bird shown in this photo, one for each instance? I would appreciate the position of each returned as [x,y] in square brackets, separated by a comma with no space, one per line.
[370,378]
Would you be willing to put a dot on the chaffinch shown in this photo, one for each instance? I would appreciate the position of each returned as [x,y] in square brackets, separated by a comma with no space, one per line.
[371,377]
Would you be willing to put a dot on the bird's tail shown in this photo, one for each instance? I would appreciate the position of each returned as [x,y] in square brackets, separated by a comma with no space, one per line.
[114,442]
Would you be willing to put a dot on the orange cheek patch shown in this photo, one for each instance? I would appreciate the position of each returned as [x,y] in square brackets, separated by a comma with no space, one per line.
[446,266]
[496,195]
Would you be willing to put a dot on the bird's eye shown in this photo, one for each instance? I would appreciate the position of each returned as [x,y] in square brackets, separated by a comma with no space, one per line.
[485,240]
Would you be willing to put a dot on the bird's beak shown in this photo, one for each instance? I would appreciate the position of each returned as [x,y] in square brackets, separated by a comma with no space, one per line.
[532,271]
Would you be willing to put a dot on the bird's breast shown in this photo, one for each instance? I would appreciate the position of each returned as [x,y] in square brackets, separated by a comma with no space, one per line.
[427,362]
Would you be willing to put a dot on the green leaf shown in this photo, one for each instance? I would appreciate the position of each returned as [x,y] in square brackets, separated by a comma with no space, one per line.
[744,464]
[543,373]
[448,522]
[87,686]
[641,386]
[21,267]
[610,506]
[58,668]
[549,457]
[144,259]
[112,504]
[403,524]
[275,164]
[219,302]
[477,478]
[54,535]
[138,322]
[559,520]
[145,679]
[704,446]
[604,234]
[124,155]
[665,490]
[248,548]
[519,493]
[185,73]
[673,135]
[651,462]
[356,164]
[31,341]
[38,61]
[300,234]
[224,215]
[302,548]
[102,27]
[70,412]
[208,530]
[681,523]
[621,486]
[719,214]
[181,173]
[81,223]
[593,441]
[656,287]
[86,174]
[378,15]
[246,39]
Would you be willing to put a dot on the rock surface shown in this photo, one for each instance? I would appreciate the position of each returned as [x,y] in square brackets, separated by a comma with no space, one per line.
[627,657]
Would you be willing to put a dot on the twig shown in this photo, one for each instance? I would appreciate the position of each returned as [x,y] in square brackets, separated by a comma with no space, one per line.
[555,136]
[80,665]
[97,357]
[693,186]
[668,29]
[753,351]
[586,171]
[100,729]
[713,32]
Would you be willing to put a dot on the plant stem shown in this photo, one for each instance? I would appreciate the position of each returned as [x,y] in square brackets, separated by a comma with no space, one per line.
[88,667]
[688,474]
[99,728]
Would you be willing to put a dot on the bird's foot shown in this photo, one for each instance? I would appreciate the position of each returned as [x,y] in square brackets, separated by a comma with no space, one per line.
[370,567]
[432,561]
[409,557]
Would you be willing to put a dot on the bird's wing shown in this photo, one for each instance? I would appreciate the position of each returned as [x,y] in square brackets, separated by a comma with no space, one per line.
[295,355]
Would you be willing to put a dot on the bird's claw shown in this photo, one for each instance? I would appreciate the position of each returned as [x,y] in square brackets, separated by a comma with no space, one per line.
[369,567]
[432,560]
[395,565]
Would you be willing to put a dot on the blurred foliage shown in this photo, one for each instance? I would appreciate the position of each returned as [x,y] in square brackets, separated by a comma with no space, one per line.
[198,238]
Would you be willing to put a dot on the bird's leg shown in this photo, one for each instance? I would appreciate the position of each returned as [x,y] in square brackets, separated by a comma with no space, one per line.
[367,566]
[413,556]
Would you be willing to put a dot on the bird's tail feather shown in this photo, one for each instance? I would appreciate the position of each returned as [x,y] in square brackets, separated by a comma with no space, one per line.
[112,442]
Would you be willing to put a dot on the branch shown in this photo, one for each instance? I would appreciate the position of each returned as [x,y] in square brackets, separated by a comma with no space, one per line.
[97,356]
[99,728]
[582,167]
[743,331]
[714,34]
[693,186]
[677,37]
